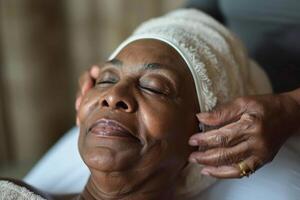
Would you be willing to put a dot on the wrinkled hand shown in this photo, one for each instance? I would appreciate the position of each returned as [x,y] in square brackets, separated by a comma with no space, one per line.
[86,82]
[251,129]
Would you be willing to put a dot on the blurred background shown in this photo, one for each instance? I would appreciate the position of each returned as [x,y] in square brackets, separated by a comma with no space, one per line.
[44,46]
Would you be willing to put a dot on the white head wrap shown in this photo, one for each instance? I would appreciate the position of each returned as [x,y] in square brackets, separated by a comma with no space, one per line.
[218,63]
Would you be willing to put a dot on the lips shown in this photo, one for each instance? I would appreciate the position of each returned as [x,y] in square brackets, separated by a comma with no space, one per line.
[111,128]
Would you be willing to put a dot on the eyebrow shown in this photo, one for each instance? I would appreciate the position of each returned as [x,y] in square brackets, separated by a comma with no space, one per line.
[147,66]
[115,62]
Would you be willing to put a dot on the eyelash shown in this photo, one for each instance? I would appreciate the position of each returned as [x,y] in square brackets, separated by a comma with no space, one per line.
[149,89]
[152,90]
[106,82]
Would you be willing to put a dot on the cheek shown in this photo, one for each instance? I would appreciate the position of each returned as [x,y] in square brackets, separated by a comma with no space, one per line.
[89,101]
[172,127]
[80,142]
[171,123]
[164,121]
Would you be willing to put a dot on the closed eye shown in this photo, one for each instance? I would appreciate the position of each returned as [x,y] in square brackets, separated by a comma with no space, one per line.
[152,90]
[105,82]
[107,77]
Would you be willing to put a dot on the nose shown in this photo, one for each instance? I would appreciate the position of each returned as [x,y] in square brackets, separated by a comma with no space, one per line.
[119,98]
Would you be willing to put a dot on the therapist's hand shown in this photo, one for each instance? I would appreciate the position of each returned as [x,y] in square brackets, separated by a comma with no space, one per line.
[250,130]
[86,82]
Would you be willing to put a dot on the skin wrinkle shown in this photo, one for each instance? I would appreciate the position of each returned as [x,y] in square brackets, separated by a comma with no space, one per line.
[163,122]
[215,139]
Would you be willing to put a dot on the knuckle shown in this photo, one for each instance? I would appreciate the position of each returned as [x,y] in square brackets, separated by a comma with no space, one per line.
[203,146]
[257,106]
[247,151]
[217,113]
[222,140]
[246,124]
[224,158]
[249,118]
[258,127]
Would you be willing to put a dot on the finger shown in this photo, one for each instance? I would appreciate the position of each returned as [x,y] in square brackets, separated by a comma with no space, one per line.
[85,82]
[223,114]
[78,102]
[226,136]
[87,85]
[83,78]
[94,71]
[232,171]
[77,121]
[222,172]
[78,94]
[222,156]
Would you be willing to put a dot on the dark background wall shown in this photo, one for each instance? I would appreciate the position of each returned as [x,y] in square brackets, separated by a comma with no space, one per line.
[44,45]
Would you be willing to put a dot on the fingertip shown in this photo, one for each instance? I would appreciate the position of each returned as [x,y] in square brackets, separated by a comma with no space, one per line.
[202,115]
[193,142]
[198,157]
[193,159]
[223,172]
[94,72]
[208,118]
[205,172]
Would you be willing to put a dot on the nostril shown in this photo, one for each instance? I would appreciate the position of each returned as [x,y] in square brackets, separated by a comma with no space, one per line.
[122,105]
[104,103]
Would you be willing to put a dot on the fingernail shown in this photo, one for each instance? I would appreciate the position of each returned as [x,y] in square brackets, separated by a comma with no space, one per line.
[193,142]
[193,160]
[94,71]
[202,115]
[205,172]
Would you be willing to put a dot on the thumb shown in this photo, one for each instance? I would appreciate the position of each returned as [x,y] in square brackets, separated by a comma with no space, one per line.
[222,114]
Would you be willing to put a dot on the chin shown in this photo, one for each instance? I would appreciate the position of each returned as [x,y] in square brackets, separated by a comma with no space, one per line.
[107,159]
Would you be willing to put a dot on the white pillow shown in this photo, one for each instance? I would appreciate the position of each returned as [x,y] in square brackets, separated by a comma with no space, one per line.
[61,170]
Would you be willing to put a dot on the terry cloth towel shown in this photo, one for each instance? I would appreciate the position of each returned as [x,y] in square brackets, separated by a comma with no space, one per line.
[11,191]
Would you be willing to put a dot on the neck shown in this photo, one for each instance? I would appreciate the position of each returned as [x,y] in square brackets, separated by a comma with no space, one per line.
[154,189]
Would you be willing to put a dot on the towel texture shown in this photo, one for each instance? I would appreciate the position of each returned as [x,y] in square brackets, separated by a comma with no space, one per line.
[216,58]
[11,191]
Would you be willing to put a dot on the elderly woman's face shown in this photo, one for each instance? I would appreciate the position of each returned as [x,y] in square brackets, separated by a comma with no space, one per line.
[137,119]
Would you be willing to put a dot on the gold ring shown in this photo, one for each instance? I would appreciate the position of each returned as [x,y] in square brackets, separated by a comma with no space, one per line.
[245,169]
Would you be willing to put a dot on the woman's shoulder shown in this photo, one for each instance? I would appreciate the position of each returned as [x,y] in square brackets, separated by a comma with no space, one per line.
[11,189]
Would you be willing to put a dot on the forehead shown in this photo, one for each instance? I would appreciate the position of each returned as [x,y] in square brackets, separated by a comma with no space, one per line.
[153,51]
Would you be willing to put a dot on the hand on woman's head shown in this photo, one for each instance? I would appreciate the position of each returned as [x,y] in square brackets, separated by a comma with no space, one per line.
[85,83]
[252,131]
